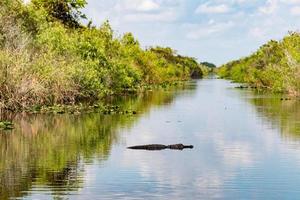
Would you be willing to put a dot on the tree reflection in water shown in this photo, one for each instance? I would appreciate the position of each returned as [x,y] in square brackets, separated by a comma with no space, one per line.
[285,114]
[49,151]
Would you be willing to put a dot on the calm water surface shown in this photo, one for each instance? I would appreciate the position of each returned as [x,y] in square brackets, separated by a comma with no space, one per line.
[246,146]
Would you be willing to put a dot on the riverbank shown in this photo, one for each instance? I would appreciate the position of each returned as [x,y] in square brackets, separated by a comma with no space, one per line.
[275,66]
[110,106]
[48,57]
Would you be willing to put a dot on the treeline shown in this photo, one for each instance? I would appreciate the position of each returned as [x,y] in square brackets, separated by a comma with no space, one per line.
[48,57]
[275,66]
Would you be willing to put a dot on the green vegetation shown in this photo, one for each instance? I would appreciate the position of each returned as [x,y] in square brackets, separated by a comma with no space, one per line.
[275,66]
[48,57]
[209,65]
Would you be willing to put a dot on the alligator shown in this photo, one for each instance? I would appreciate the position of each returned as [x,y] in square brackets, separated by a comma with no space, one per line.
[157,147]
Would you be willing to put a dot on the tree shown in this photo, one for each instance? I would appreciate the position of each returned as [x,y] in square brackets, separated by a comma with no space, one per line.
[67,11]
[128,39]
[210,65]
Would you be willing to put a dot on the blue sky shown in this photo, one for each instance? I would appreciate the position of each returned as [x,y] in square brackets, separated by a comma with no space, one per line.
[217,30]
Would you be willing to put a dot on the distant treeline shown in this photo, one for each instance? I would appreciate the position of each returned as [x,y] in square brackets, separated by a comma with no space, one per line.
[210,65]
[48,57]
[274,66]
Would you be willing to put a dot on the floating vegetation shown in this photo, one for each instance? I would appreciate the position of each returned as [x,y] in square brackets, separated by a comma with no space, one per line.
[78,109]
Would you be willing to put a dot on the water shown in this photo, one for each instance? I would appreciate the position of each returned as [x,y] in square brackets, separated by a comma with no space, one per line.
[246,146]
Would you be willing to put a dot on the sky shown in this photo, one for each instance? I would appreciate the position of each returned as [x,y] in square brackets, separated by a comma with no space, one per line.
[217,31]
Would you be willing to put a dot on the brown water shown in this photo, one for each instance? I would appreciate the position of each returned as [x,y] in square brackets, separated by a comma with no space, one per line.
[246,145]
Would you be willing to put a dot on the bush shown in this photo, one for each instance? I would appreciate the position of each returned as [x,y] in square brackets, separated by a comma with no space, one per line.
[275,66]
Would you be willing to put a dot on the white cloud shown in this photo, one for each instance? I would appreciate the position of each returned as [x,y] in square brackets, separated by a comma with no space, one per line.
[240,1]
[147,10]
[211,21]
[212,9]
[295,10]
[207,30]
[163,16]
[257,32]
[291,1]
[270,7]
[137,5]
[123,12]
